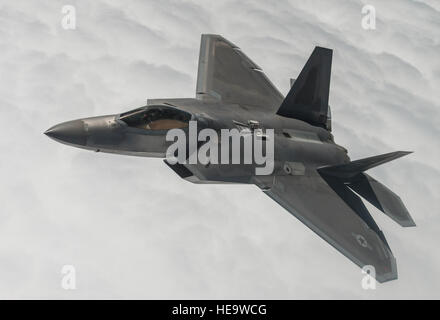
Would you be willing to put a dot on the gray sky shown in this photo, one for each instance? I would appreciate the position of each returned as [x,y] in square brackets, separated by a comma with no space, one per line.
[130,226]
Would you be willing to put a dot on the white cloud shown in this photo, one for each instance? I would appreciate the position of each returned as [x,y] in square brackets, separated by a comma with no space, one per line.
[131,227]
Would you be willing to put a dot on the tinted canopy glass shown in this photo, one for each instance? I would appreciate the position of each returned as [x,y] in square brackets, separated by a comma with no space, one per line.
[157,117]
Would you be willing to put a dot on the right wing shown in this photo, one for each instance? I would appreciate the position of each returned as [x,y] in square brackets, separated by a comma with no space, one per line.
[337,215]
[227,74]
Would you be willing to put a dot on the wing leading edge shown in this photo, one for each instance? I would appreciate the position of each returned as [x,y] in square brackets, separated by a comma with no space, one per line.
[336,214]
[225,73]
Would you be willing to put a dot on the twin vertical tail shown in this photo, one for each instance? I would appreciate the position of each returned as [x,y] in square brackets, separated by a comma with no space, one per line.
[307,99]
[352,175]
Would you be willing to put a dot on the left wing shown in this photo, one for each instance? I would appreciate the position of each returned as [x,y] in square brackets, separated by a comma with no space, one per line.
[227,74]
[337,215]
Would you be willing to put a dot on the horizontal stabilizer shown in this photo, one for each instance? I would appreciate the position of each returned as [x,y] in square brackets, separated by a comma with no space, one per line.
[351,169]
[382,198]
[352,175]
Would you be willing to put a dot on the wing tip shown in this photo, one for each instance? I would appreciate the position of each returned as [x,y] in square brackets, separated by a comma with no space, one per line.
[392,274]
[389,276]
[218,37]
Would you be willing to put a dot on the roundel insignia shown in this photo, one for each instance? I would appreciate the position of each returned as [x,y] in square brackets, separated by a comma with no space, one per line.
[361,240]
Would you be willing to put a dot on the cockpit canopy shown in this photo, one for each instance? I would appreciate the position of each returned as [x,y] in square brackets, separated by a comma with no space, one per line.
[156,117]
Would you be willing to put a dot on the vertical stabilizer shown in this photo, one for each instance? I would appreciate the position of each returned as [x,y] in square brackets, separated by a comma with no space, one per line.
[307,99]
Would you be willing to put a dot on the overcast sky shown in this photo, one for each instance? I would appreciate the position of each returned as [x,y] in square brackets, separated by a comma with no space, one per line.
[130,226]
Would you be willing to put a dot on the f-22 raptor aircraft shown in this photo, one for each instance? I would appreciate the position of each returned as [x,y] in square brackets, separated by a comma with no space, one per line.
[312,178]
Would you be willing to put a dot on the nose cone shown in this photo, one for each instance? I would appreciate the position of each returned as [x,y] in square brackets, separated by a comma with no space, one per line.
[71,132]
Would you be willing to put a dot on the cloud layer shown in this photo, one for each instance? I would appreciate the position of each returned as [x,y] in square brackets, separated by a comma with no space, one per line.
[130,226]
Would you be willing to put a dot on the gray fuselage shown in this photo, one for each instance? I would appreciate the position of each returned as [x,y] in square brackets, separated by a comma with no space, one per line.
[296,143]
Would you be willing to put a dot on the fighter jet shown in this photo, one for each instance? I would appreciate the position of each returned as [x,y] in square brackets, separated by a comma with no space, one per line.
[312,178]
